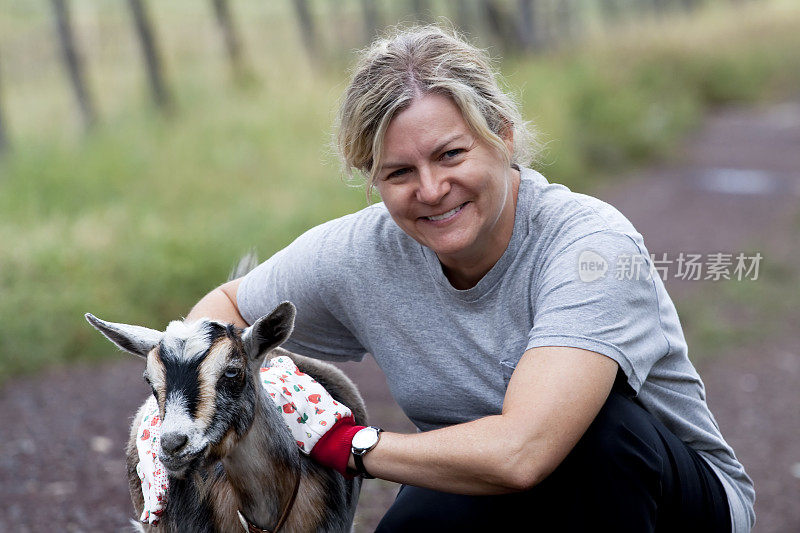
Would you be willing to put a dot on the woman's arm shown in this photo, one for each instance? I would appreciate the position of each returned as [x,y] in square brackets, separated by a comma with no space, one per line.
[220,304]
[553,396]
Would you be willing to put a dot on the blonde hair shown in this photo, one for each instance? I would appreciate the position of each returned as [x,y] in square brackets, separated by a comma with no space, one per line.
[410,63]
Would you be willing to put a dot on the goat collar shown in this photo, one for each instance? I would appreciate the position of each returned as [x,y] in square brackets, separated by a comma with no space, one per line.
[250,528]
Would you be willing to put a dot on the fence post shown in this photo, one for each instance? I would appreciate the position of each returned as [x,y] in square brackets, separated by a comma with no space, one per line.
[73,62]
[151,56]
[232,44]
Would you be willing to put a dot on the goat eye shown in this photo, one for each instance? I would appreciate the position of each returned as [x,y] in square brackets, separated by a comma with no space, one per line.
[231,372]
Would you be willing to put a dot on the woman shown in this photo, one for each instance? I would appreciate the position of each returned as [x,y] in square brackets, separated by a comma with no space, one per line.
[547,389]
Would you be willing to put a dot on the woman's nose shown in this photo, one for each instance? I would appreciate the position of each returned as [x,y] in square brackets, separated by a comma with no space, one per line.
[432,186]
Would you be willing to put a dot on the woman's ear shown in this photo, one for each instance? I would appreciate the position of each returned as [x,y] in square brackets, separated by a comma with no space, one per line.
[507,134]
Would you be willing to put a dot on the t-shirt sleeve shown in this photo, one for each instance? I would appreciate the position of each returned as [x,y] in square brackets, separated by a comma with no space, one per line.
[598,294]
[304,274]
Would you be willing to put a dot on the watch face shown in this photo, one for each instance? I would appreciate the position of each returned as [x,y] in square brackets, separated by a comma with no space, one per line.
[364,439]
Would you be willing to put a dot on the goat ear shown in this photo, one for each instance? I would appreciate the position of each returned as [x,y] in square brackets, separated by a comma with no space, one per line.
[134,339]
[269,331]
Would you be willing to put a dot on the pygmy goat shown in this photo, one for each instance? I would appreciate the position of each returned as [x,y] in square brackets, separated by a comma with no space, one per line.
[228,450]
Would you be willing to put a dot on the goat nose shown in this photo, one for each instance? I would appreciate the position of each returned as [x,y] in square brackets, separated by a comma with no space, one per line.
[172,442]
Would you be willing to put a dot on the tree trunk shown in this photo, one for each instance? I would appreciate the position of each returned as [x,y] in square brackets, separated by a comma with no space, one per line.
[151,56]
[527,33]
[370,19]
[73,62]
[497,24]
[307,30]
[462,15]
[565,15]
[690,5]
[229,34]
[3,137]
[422,10]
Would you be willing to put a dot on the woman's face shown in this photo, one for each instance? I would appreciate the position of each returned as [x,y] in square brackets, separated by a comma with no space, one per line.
[447,188]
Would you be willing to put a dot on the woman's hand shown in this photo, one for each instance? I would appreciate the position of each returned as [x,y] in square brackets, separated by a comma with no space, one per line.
[321,426]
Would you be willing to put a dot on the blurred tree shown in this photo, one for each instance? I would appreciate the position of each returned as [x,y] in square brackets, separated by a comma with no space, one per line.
[567,19]
[691,5]
[660,6]
[498,24]
[609,9]
[151,56]
[307,29]
[461,15]
[233,45]
[73,62]
[3,136]
[422,11]
[370,10]
[527,19]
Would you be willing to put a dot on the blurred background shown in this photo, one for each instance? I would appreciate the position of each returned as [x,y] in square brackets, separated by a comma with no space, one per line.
[145,146]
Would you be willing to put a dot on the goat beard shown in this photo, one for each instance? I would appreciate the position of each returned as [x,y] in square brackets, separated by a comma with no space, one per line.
[191,466]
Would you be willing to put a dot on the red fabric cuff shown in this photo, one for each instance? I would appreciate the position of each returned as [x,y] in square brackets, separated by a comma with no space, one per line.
[333,448]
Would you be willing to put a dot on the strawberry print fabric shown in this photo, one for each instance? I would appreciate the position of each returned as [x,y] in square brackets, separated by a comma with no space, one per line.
[305,406]
[151,471]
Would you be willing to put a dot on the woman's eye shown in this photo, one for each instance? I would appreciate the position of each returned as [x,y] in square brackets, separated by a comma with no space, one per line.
[396,173]
[452,153]
[231,372]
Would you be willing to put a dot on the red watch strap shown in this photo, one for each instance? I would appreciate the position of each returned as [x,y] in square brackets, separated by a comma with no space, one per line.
[333,448]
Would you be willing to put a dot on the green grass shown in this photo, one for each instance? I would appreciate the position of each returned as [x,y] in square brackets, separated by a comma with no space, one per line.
[138,220]
[623,99]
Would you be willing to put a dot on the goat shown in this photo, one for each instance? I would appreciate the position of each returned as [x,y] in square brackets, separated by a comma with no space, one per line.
[229,450]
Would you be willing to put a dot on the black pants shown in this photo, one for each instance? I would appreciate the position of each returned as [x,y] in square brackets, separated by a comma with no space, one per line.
[628,473]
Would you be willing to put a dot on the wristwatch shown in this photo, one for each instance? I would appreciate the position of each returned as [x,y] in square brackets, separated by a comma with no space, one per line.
[363,441]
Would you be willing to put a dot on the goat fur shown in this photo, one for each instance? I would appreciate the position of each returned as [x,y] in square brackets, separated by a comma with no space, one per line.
[208,499]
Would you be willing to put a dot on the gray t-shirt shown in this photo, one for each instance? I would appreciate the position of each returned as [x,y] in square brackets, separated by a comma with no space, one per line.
[576,273]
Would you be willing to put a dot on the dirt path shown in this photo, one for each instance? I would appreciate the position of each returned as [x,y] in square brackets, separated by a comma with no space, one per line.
[736,189]
[62,432]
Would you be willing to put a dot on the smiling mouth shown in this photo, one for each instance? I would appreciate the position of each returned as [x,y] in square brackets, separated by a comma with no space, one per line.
[449,214]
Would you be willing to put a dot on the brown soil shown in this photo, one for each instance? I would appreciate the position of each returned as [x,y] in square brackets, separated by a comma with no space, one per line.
[62,432]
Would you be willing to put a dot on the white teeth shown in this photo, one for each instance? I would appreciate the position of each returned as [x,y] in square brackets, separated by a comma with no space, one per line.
[446,215]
